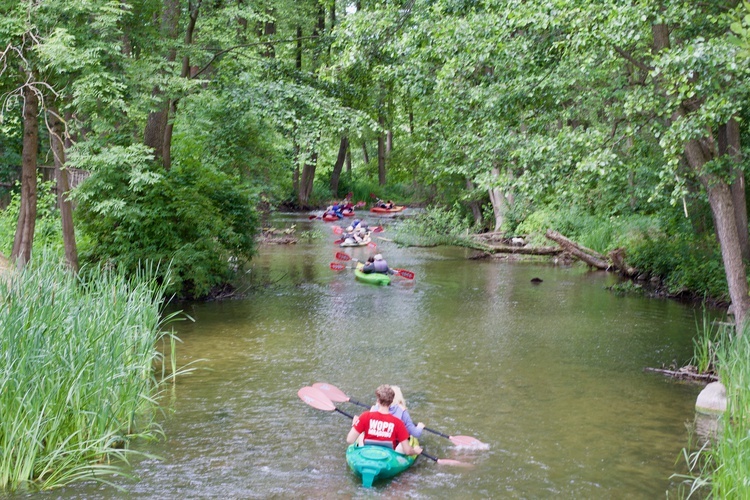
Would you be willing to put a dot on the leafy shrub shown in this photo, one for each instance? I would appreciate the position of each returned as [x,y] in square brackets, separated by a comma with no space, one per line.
[194,219]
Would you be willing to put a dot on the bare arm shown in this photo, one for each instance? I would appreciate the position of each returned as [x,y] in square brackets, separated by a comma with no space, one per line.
[409,449]
[353,433]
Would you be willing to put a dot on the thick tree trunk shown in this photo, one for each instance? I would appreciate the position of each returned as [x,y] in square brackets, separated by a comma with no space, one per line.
[24,238]
[722,209]
[339,165]
[499,202]
[63,187]
[729,144]
[306,180]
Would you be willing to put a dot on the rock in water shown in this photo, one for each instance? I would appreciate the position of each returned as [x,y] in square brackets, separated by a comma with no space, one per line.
[712,399]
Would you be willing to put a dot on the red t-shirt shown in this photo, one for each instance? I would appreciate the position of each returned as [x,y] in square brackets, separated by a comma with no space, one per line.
[382,427]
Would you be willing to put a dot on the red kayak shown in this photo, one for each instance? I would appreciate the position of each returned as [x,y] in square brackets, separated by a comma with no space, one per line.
[382,210]
[330,217]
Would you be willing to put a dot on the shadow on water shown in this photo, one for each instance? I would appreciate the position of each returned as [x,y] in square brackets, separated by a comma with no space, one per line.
[550,375]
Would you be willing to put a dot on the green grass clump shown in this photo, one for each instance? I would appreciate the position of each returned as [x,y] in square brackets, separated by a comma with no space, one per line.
[77,379]
[432,227]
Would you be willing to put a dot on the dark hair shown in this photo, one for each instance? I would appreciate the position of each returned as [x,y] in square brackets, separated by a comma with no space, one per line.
[371,259]
[385,395]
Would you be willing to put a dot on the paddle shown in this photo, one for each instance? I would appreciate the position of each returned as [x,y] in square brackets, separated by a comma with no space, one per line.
[335,394]
[337,266]
[342,256]
[404,273]
[314,217]
[318,400]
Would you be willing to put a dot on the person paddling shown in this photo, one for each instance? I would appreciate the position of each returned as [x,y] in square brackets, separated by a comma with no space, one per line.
[380,427]
[398,410]
[377,265]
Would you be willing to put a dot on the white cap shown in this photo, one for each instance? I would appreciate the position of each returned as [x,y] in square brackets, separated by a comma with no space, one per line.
[378,257]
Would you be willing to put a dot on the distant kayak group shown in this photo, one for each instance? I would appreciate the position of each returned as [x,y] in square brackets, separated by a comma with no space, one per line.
[338,211]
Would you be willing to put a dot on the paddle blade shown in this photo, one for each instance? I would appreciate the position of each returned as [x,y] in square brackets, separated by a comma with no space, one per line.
[456,463]
[372,245]
[405,274]
[342,256]
[315,398]
[337,266]
[337,230]
[378,229]
[313,217]
[334,393]
[338,242]
[469,442]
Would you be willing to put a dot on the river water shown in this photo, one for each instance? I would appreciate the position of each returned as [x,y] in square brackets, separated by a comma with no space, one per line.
[550,375]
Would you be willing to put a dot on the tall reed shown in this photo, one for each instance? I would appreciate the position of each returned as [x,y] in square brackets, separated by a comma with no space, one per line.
[719,468]
[730,454]
[77,380]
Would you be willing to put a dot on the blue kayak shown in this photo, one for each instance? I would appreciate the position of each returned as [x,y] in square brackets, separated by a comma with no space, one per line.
[377,462]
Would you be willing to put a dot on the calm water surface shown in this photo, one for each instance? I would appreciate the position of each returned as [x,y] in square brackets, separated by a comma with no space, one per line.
[550,375]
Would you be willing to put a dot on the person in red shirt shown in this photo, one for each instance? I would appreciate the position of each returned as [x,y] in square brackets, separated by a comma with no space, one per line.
[381,426]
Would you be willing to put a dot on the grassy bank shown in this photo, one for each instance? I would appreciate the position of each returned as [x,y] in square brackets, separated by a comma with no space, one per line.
[77,379]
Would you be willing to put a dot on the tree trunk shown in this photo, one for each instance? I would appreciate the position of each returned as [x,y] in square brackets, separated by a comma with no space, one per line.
[381,153]
[364,153]
[500,205]
[348,160]
[156,123]
[24,238]
[388,142]
[476,208]
[337,167]
[729,144]
[306,180]
[63,187]
[723,211]
[298,50]
[184,73]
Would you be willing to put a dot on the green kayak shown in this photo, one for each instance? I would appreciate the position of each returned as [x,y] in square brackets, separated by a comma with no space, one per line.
[374,278]
[376,462]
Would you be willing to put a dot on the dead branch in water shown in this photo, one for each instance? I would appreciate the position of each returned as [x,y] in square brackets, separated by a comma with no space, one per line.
[685,373]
